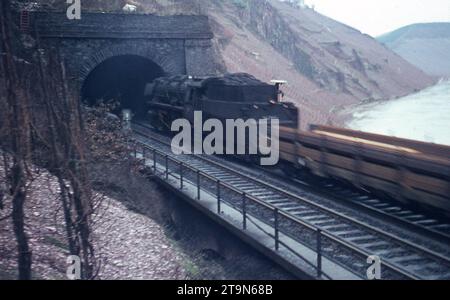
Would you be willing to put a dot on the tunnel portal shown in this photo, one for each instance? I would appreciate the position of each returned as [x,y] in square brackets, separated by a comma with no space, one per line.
[120,79]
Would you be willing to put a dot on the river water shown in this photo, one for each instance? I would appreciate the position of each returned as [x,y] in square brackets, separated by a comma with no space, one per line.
[423,116]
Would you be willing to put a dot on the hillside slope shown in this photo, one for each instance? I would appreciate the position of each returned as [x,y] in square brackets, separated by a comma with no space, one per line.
[328,65]
[426,46]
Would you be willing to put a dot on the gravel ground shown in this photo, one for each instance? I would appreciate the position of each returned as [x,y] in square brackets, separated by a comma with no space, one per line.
[130,245]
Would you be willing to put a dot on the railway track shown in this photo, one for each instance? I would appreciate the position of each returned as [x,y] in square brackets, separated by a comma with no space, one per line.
[346,241]
[416,219]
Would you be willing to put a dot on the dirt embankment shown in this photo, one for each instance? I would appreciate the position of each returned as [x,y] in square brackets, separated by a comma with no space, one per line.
[128,244]
[210,252]
[140,232]
[328,65]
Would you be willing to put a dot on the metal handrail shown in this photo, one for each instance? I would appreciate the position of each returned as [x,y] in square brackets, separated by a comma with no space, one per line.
[167,158]
[288,216]
[329,211]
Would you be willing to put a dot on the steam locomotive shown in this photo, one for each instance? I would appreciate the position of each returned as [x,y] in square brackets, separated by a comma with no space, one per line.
[225,97]
[402,169]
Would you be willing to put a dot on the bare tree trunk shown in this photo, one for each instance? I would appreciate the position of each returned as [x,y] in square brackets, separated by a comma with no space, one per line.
[18,125]
[57,159]
[66,143]
[18,216]
[79,181]
[63,137]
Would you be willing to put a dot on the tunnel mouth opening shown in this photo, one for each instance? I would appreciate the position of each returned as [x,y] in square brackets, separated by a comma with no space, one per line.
[119,82]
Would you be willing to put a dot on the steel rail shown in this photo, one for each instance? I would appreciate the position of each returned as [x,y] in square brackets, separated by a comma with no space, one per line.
[328,234]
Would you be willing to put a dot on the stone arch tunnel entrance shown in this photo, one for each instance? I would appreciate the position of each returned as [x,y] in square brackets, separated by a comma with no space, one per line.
[121,80]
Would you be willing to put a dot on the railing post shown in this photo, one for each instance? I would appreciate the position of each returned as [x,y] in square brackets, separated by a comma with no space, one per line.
[181,175]
[277,242]
[144,155]
[244,211]
[154,160]
[198,184]
[319,253]
[218,196]
[135,151]
[167,166]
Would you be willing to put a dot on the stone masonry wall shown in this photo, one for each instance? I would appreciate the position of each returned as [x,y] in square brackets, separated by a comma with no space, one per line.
[179,44]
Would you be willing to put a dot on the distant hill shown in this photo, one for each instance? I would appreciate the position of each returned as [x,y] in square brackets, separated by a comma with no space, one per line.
[426,46]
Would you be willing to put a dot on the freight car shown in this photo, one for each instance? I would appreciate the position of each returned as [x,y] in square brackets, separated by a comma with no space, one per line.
[410,171]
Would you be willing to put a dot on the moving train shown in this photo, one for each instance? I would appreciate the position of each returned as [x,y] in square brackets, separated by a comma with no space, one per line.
[412,172]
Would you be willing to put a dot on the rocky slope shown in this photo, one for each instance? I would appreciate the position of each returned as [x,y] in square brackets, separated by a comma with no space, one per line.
[426,46]
[128,244]
[328,65]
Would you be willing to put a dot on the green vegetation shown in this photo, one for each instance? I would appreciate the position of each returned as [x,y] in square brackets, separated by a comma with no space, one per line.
[192,270]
